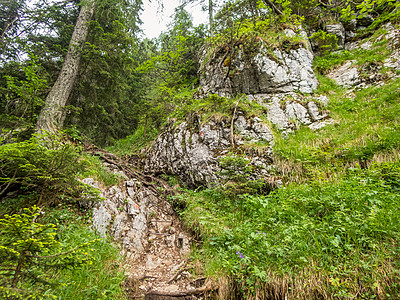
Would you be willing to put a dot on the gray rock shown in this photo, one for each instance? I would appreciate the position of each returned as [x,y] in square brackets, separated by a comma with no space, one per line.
[261,73]
[314,111]
[318,125]
[346,75]
[393,61]
[196,160]
[339,31]
[295,111]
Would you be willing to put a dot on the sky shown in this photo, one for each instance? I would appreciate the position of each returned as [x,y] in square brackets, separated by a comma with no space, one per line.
[155,21]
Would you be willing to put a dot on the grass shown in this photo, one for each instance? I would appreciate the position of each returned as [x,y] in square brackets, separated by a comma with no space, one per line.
[379,51]
[99,277]
[365,127]
[100,280]
[96,170]
[309,240]
[134,143]
[332,230]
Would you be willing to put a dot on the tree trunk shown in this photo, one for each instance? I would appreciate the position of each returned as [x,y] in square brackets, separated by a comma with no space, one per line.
[51,117]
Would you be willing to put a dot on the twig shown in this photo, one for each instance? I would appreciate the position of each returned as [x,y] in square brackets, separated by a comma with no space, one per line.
[273,6]
[9,182]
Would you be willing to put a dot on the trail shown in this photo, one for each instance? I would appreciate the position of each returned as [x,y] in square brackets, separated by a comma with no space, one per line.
[153,240]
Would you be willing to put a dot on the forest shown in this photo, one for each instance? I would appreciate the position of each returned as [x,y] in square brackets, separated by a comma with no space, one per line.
[267,140]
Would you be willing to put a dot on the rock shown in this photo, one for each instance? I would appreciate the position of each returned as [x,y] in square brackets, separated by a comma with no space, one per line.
[314,111]
[365,21]
[253,131]
[191,150]
[339,31]
[366,46]
[283,71]
[393,61]
[295,111]
[193,155]
[351,46]
[346,75]
[318,125]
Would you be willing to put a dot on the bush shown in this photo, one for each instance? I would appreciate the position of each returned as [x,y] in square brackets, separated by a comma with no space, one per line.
[28,250]
[46,169]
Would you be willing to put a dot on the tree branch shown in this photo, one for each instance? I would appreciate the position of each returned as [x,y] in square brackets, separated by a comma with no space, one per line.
[273,6]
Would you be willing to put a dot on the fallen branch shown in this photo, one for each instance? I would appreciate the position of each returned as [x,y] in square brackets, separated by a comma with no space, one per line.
[198,291]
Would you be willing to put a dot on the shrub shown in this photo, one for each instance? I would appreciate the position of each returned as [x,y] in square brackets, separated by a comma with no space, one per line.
[28,250]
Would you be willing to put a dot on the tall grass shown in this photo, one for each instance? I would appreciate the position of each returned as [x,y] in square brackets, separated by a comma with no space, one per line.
[100,280]
[335,239]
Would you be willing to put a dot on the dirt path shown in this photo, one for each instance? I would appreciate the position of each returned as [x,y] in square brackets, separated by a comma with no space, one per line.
[155,245]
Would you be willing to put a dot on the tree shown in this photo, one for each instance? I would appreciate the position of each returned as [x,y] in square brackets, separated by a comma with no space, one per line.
[52,117]
[28,249]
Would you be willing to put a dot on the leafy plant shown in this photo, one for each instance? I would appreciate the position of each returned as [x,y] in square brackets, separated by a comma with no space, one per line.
[29,249]
[45,166]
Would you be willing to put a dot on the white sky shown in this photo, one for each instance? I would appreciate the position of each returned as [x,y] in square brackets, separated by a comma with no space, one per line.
[155,21]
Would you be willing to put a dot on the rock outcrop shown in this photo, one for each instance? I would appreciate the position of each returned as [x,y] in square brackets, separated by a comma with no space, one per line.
[260,70]
[191,150]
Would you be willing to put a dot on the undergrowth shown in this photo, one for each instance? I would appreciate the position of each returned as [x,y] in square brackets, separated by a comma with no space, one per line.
[306,241]
[70,261]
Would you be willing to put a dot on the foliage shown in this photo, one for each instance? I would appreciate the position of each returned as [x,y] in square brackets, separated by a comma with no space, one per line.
[94,168]
[28,250]
[102,279]
[43,168]
[28,92]
[318,238]
[172,70]
[238,176]
[132,144]
[325,42]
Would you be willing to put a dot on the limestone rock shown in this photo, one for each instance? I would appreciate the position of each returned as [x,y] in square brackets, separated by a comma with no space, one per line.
[262,72]
[191,150]
[339,31]
[346,75]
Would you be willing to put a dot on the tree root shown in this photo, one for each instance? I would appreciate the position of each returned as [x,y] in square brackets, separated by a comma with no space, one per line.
[153,295]
[151,182]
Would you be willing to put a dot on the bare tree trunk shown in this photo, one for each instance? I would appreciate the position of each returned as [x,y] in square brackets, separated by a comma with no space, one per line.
[51,117]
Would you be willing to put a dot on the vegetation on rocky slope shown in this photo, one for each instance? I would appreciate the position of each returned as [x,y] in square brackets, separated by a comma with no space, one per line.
[326,225]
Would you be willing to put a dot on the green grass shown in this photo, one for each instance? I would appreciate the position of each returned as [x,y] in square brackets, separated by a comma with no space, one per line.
[379,51]
[307,240]
[96,170]
[98,276]
[365,130]
[134,143]
[100,280]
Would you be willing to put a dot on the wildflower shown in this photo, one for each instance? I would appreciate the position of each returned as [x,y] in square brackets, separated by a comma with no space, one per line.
[258,232]
[263,233]
[237,253]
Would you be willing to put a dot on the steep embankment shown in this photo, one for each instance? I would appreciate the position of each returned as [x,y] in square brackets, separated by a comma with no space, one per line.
[332,230]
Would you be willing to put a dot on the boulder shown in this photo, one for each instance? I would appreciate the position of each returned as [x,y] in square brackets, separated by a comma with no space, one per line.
[261,71]
[191,150]
[339,31]
[346,75]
